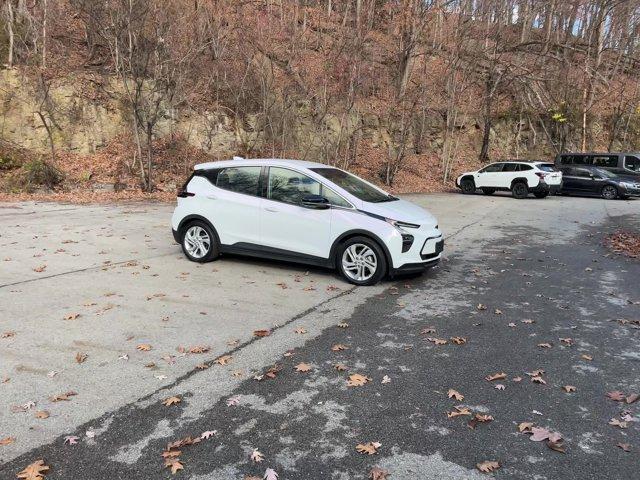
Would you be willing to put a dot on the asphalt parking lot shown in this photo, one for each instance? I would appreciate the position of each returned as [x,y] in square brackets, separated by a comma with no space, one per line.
[99,301]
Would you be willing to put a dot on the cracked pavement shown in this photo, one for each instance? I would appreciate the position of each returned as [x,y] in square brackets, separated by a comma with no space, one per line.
[539,260]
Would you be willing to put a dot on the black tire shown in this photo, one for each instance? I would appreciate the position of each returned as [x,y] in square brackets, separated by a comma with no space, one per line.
[541,194]
[625,197]
[519,190]
[488,191]
[468,186]
[380,258]
[213,250]
[609,192]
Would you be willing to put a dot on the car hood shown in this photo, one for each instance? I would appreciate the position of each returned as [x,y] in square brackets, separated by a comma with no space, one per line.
[627,178]
[401,210]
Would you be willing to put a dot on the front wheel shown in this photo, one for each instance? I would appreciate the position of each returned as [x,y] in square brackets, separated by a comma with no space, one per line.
[199,243]
[519,190]
[609,192]
[361,261]
[468,186]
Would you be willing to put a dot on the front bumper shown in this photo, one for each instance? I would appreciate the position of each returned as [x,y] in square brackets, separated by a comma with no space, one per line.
[629,191]
[176,236]
[425,252]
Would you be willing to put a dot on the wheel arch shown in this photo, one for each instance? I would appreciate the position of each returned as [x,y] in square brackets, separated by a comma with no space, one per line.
[189,219]
[520,180]
[467,177]
[359,233]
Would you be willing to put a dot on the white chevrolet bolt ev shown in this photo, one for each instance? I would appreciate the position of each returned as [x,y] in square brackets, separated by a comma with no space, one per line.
[303,212]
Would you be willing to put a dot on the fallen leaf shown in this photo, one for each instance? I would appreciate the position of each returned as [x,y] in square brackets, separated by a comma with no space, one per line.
[233,401]
[616,396]
[40,269]
[369,448]
[525,426]
[261,333]
[437,341]
[144,347]
[223,360]
[174,464]
[7,441]
[538,380]
[199,349]
[495,376]
[270,474]
[497,311]
[208,434]
[167,402]
[586,357]
[386,379]
[340,367]
[544,345]
[256,456]
[62,396]
[557,446]
[71,316]
[632,398]
[536,373]
[481,307]
[488,466]
[617,423]
[303,367]
[343,325]
[624,446]
[459,340]
[357,380]
[377,473]
[71,440]
[455,394]
[81,357]
[300,330]
[36,471]
[569,388]
[202,366]
[42,414]
[338,347]
[499,387]
[7,334]
[459,411]
[539,434]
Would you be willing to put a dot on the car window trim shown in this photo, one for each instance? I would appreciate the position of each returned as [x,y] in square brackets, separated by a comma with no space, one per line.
[266,188]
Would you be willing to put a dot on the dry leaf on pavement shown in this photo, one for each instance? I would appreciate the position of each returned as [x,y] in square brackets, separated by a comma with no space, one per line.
[338,347]
[455,394]
[36,471]
[569,388]
[62,396]
[171,401]
[81,357]
[270,474]
[495,376]
[143,347]
[7,441]
[303,367]
[369,448]
[357,380]
[223,360]
[488,466]
[261,333]
[377,473]
[174,464]
[458,412]
[256,456]
[42,414]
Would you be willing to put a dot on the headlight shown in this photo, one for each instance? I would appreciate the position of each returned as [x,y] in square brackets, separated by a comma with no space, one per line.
[401,225]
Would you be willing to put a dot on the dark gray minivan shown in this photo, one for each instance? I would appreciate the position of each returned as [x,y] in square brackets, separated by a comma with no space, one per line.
[619,163]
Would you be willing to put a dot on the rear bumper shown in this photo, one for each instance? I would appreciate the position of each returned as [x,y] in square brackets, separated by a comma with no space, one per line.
[545,187]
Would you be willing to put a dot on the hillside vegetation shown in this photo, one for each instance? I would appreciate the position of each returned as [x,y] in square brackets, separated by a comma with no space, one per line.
[127,95]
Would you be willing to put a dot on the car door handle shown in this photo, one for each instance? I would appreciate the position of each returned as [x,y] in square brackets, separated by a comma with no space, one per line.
[269,209]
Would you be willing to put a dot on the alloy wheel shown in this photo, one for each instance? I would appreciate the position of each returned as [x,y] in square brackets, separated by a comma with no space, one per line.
[609,192]
[197,242]
[359,262]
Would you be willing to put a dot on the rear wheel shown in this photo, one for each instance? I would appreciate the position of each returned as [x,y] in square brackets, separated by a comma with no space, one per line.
[609,192]
[361,261]
[468,186]
[488,191]
[199,243]
[519,190]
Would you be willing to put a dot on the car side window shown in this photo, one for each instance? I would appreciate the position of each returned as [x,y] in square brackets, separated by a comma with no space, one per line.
[334,198]
[496,167]
[289,186]
[523,168]
[581,160]
[582,173]
[610,161]
[239,179]
[510,167]
[632,163]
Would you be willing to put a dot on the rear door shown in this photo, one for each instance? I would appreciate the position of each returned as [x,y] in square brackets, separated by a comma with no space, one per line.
[286,224]
[509,173]
[234,207]
[586,181]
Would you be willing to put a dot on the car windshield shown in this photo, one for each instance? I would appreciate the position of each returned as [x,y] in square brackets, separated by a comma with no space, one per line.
[547,167]
[355,186]
[606,173]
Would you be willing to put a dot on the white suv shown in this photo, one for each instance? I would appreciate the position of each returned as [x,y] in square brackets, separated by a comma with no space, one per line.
[521,178]
[303,212]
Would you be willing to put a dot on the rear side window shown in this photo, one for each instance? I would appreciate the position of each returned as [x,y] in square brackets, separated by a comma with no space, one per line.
[510,167]
[523,168]
[239,179]
[582,173]
[632,163]
[610,161]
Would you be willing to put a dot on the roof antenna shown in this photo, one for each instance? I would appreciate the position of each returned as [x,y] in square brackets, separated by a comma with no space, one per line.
[235,157]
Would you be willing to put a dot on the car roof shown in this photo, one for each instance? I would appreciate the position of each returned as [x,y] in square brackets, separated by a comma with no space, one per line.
[251,162]
[526,162]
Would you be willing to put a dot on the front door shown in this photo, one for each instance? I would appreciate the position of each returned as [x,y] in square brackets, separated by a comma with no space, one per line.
[489,176]
[286,224]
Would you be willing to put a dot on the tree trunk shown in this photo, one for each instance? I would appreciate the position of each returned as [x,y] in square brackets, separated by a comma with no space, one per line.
[44,35]
[10,32]
[149,155]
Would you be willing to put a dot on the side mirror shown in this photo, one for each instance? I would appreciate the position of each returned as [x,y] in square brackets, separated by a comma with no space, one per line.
[317,202]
